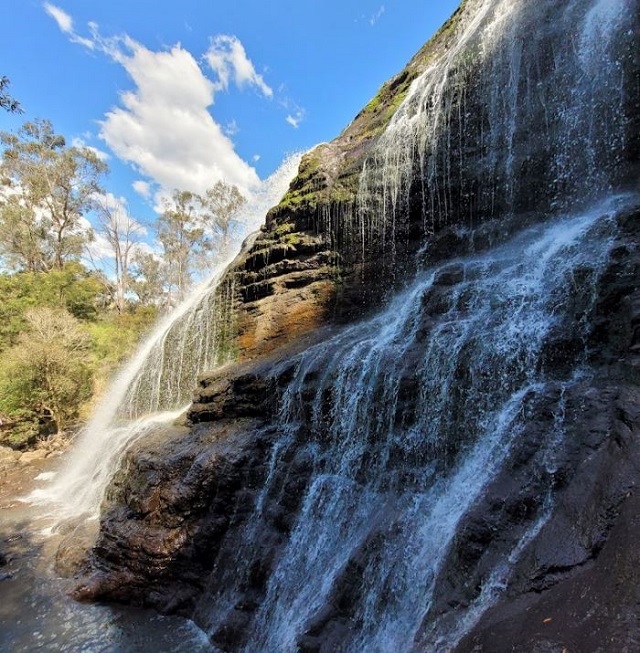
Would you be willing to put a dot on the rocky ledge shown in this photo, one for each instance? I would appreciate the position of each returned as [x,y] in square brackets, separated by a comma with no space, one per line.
[188,516]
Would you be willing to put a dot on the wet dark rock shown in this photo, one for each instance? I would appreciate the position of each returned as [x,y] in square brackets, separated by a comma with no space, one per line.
[174,517]
[449,275]
[164,517]
[224,396]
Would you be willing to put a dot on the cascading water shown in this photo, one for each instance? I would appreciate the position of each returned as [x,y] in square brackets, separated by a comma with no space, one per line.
[404,420]
[515,143]
[154,389]
[524,112]
[388,487]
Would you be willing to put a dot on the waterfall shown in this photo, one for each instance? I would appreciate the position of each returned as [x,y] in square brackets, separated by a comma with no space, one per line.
[465,347]
[501,187]
[402,421]
[155,387]
[524,111]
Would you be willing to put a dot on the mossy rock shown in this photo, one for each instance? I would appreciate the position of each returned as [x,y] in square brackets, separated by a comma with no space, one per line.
[330,173]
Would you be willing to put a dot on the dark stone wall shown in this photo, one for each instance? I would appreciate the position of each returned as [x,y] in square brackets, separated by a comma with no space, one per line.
[525,133]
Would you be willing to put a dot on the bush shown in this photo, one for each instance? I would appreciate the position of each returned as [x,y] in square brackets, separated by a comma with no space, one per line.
[48,373]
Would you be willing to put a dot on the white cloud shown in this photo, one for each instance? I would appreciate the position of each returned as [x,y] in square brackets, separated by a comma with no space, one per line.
[99,248]
[80,143]
[296,118]
[227,57]
[143,188]
[117,209]
[295,113]
[65,22]
[163,127]
[255,157]
[377,16]
[231,128]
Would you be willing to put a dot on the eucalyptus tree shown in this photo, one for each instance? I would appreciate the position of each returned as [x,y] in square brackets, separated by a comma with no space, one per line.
[181,235]
[47,375]
[47,188]
[195,232]
[221,205]
[7,102]
[148,279]
[122,233]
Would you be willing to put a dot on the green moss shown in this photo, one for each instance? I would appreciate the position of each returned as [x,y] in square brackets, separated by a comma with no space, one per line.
[291,239]
[331,173]
[284,228]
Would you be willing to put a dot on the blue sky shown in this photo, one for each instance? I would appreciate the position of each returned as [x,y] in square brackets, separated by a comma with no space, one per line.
[179,94]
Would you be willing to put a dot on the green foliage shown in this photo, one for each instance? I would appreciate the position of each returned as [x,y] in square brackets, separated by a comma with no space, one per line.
[48,187]
[115,335]
[148,279]
[284,229]
[194,231]
[72,288]
[7,102]
[24,430]
[48,373]
[58,346]
[181,237]
[220,208]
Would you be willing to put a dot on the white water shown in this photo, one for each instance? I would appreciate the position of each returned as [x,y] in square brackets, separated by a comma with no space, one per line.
[552,90]
[390,489]
[391,481]
[155,387]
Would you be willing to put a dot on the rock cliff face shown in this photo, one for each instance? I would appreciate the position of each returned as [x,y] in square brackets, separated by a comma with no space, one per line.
[345,236]
[175,520]
[461,471]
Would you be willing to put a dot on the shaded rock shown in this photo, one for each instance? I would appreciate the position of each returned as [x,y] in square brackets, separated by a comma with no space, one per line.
[78,537]
[226,395]
[546,558]
[174,511]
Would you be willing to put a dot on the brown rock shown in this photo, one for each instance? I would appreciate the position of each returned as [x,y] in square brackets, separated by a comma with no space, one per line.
[29,457]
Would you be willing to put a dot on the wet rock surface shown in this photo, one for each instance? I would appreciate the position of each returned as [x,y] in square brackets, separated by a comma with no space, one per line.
[174,510]
[563,516]
[550,546]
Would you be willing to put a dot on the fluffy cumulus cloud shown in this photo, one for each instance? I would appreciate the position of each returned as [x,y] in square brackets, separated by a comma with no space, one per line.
[228,59]
[163,127]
